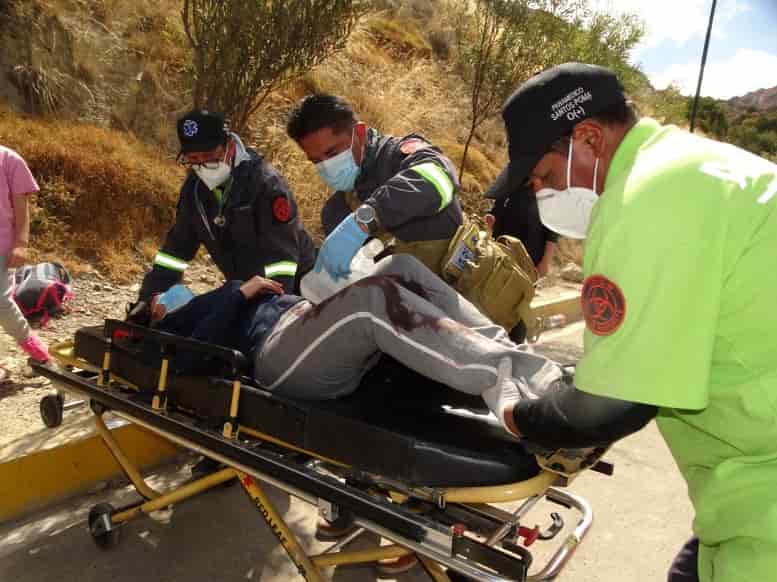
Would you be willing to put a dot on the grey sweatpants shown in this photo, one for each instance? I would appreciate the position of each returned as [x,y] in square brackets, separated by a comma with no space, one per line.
[405,311]
[11,318]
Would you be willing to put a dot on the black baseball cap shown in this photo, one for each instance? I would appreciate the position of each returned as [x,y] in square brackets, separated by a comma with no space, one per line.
[546,108]
[201,131]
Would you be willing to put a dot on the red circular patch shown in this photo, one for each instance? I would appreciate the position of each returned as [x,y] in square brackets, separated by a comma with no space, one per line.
[281,209]
[604,306]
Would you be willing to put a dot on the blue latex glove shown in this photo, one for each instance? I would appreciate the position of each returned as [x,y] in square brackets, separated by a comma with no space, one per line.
[340,247]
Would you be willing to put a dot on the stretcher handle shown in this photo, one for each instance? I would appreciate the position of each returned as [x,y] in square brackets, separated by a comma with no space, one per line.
[234,358]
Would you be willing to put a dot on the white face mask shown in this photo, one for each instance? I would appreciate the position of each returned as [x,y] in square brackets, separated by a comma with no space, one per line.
[568,212]
[213,177]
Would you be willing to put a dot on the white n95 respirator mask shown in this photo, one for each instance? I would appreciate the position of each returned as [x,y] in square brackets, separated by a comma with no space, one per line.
[213,174]
[568,212]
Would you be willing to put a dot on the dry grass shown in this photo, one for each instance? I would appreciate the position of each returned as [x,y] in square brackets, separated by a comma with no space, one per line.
[102,192]
[401,37]
[418,95]
[156,33]
[117,63]
[479,170]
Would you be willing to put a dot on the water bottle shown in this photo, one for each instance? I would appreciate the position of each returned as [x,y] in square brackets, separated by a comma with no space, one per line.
[316,287]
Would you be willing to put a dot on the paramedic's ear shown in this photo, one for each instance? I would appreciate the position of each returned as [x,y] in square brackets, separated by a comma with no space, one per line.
[590,134]
[359,141]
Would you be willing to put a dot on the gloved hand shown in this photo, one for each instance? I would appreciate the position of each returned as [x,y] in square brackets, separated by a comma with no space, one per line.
[340,247]
[505,392]
[509,389]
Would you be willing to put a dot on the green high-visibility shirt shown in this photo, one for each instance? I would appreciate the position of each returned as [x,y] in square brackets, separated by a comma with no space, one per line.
[680,302]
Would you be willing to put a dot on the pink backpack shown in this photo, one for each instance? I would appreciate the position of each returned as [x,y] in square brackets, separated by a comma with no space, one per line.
[41,290]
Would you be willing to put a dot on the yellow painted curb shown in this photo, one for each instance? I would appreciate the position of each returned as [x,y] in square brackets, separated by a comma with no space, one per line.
[33,481]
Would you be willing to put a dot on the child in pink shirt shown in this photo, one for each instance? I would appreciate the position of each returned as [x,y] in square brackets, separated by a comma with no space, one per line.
[16,184]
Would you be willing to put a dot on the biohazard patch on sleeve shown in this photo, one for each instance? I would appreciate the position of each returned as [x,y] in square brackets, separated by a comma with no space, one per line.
[281,209]
[412,145]
[604,306]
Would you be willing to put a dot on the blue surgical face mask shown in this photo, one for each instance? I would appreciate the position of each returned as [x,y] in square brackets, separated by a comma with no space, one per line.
[340,171]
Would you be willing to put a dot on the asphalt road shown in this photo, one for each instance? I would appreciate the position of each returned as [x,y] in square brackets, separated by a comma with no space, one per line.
[641,518]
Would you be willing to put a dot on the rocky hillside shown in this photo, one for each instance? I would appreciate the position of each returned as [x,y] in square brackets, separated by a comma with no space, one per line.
[760,100]
[90,90]
[115,64]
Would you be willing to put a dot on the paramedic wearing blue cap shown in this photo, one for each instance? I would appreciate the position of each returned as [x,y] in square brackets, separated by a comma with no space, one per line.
[237,205]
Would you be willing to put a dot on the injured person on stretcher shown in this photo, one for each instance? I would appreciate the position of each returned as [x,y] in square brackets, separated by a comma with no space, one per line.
[412,461]
[323,351]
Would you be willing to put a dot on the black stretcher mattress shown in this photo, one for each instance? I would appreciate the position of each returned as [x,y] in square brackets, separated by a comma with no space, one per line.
[398,424]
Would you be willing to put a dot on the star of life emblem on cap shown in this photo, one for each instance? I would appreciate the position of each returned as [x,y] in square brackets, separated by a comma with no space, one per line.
[190,128]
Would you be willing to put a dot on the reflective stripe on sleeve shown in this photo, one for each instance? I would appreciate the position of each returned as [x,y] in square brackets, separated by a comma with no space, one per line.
[280,269]
[170,262]
[433,173]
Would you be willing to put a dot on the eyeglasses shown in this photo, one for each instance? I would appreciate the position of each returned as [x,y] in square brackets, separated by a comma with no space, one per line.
[200,165]
[212,164]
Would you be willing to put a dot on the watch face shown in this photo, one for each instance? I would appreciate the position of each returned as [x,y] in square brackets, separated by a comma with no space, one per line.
[365,214]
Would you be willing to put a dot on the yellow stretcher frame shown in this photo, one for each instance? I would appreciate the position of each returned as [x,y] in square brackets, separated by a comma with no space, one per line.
[309,566]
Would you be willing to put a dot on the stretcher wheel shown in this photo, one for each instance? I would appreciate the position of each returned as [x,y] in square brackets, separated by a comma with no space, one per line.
[51,410]
[104,532]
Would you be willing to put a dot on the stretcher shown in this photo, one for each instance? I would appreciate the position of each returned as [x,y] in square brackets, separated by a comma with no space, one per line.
[415,462]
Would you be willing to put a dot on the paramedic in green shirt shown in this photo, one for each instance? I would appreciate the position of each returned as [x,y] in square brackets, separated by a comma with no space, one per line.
[680,303]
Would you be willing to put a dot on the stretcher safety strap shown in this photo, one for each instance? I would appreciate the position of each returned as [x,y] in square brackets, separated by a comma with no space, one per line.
[170,262]
[434,174]
[280,269]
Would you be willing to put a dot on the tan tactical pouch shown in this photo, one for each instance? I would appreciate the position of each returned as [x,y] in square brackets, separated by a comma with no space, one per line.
[498,276]
[429,252]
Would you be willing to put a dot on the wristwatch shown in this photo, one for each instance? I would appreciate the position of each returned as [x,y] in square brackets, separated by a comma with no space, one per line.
[366,216]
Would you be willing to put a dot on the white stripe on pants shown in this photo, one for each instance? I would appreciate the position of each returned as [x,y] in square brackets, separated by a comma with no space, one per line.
[11,318]
[405,311]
